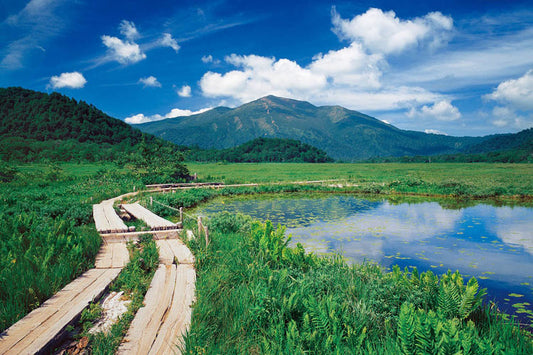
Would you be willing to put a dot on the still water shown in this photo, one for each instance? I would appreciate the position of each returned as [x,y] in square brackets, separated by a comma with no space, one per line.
[494,244]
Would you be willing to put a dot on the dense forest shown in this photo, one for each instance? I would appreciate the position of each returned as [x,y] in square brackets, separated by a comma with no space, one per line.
[271,150]
[521,154]
[44,128]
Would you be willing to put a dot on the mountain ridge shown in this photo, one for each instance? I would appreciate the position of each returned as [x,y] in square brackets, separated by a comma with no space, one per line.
[342,133]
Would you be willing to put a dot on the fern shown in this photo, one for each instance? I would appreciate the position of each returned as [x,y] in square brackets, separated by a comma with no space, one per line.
[471,299]
[406,328]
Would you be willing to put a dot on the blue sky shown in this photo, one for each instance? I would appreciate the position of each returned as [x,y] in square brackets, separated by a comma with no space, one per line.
[454,67]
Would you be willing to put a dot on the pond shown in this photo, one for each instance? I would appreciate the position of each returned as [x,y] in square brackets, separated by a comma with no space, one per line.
[494,244]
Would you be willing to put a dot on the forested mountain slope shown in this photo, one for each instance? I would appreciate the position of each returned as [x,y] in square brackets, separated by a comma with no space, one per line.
[341,133]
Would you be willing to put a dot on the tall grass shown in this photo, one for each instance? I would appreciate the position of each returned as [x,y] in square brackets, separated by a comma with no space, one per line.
[257,295]
[47,235]
[37,257]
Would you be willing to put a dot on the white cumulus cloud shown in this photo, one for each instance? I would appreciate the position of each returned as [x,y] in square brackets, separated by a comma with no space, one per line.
[352,76]
[184,91]
[442,110]
[128,30]
[74,80]
[517,93]
[345,77]
[504,116]
[384,32]
[350,65]
[209,59]
[176,112]
[124,52]
[150,81]
[261,76]
[168,41]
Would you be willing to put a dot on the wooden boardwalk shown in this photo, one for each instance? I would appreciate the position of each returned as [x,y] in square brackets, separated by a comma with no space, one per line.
[106,219]
[44,326]
[174,250]
[154,221]
[112,255]
[158,326]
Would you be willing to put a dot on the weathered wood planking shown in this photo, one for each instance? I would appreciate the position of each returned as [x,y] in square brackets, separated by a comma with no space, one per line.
[178,318]
[159,325]
[106,219]
[144,327]
[134,236]
[40,328]
[174,248]
[100,220]
[154,221]
[112,255]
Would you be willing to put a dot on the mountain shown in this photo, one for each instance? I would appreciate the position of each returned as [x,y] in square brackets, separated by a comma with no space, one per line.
[36,126]
[503,142]
[343,134]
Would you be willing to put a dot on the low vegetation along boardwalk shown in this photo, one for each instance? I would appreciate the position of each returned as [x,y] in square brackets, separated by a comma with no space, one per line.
[40,329]
[157,327]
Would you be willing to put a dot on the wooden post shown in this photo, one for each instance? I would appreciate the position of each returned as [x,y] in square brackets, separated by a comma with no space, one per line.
[199,225]
[206,236]
[151,201]
[181,215]
[195,177]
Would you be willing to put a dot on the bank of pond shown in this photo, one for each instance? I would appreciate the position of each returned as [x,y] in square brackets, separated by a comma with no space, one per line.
[492,243]
[360,272]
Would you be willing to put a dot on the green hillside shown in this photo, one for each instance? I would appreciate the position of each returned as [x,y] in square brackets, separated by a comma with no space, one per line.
[502,148]
[36,126]
[270,150]
[40,127]
[502,142]
[341,133]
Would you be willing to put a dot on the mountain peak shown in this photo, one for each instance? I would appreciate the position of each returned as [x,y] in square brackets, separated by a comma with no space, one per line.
[272,101]
[342,133]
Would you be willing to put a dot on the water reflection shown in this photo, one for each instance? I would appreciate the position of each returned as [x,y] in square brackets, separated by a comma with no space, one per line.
[495,244]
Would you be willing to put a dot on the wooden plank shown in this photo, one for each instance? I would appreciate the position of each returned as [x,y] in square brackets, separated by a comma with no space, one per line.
[106,219]
[180,250]
[134,236]
[34,319]
[166,256]
[35,331]
[104,257]
[151,219]
[115,222]
[100,221]
[144,327]
[121,255]
[67,314]
[178,318]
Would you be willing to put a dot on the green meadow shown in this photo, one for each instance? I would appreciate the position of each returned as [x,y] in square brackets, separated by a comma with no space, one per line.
[472,180]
